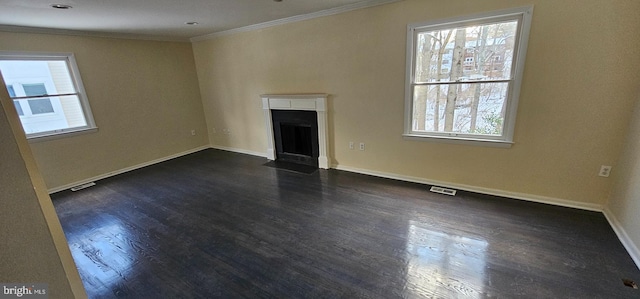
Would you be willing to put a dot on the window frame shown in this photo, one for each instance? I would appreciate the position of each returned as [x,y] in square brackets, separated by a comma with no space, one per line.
[76,80]
[523,15]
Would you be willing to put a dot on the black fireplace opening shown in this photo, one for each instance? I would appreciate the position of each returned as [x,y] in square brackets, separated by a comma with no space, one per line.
[296,136]
[296,139]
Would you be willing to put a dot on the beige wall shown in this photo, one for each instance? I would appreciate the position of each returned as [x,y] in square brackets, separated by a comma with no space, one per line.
[145,101]
[579,84]
[33,248]
[624,205]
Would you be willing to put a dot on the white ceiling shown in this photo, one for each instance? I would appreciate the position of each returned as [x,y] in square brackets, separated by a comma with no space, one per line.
[163,19]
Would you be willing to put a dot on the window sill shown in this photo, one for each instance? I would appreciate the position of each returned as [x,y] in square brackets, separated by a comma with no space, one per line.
[458,140]
[54,136]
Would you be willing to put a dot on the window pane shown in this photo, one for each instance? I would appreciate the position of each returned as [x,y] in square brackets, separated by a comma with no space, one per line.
[482,52]
[11,91]
[61,77]
[18,107]
[54,71]
[31,78]
[40,106]
[72,111]
[476,108]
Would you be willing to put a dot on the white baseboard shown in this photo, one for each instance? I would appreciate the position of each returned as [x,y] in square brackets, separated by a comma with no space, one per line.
[628,244]
[489,191]
[238,150]
[126,169]
[631,247]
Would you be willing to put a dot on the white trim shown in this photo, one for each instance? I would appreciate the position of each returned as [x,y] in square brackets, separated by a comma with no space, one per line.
[239,151]
[465,141]
[305,102]
[622,235]
[489,191]
[126,169]
[39,30]
[524,14]
[304,17]
[309,16]
[76,80]
[631,247]
[65,134]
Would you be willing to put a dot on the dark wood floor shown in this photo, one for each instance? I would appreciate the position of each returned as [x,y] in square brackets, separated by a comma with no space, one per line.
[219,224]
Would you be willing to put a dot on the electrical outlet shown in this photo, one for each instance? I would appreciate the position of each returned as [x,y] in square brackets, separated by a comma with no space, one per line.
[605,171]
[361,146]
[226,131]
[213,130]
[351,145]
[193,132]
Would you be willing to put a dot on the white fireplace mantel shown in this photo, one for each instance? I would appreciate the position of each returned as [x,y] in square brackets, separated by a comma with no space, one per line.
[307,102]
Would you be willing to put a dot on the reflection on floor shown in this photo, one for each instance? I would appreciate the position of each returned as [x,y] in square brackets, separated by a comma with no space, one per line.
[219,224]
[445,257]
[295,167]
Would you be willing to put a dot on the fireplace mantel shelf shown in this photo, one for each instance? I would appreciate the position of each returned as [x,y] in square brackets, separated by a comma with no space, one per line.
[306,102]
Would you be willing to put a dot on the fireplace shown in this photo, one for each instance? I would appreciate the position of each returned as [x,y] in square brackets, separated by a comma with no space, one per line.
[302,120]
[295,135]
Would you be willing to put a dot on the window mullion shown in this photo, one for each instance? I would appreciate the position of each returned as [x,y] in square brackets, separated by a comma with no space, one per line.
[46,96]
[54,102]
[461,82]
[465,76]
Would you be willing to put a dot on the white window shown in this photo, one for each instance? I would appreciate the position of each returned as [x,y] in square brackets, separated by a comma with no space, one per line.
[47,92]
[473,97]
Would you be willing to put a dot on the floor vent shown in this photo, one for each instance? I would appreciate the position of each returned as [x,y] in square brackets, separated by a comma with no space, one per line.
[83,186]
[441,190]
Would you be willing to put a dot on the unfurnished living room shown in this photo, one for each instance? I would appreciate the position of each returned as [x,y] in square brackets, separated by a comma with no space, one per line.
[320,149]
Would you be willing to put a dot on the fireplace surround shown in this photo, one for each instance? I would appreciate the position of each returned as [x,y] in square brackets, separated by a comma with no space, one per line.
[300,102]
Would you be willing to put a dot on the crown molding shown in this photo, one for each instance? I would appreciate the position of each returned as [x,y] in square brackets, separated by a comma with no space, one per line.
[39,30]
[309,16]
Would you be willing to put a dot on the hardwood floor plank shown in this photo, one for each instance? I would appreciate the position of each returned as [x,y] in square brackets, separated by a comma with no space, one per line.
[216,224]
